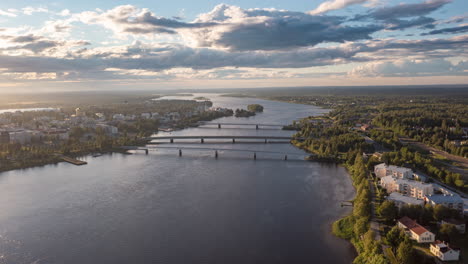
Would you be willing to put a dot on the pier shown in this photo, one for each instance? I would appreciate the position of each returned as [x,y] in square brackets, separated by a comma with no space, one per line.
[73,161]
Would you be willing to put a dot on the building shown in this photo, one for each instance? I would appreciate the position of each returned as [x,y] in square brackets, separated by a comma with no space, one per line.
[400,200]
[406,187]
[58,134]
[79,112]
[173,116]
[4,137]
[110,130]
[382,170]
[366,127]
[21,136]
[118,117]
[146,115]
[442,250]
[415,231]
[451,200]
[460,225]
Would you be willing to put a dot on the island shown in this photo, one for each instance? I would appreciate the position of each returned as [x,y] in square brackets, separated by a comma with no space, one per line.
[255,108]
[243,113]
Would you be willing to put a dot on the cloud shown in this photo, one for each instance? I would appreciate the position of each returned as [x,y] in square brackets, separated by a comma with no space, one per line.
[30,10]
[407,68]
[399,24]
[230,42]
[129,19]
[451,30]
[26,38]
[406,10]
[7,13]
[334,5]
[270,29]
[152,59]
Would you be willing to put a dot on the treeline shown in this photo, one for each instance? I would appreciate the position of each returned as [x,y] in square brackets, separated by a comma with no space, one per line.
[330,142]
[356,227]
[435,124]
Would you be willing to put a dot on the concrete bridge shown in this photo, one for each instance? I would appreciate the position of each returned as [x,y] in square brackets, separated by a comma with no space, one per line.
[216,154]
[257,126]
[232,137]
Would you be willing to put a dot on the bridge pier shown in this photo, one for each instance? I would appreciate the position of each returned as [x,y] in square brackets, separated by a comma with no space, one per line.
[216,154]
[202,140]
[219,125]
[146,151]
[266,141]
[233,141]
[172,140]
[285,157]
[255,156]
[180,153]
[256,127]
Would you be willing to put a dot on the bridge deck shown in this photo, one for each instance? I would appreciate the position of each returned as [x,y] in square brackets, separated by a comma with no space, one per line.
[241,124]
[222,137]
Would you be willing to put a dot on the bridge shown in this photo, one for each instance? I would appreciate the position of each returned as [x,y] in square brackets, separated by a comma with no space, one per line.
[251,153]
[232,137]
[257,126]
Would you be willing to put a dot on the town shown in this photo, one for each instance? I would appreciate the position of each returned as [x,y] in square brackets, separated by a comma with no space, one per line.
[48,135]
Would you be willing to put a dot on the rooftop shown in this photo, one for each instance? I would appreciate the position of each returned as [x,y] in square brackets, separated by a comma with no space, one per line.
[416,184]
[412,225]
[398,197]
[444,198]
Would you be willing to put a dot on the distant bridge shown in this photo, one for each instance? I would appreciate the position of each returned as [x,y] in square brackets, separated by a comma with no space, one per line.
[257,126]
[232,137]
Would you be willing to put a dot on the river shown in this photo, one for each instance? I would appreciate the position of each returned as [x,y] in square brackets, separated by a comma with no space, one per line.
[162,208]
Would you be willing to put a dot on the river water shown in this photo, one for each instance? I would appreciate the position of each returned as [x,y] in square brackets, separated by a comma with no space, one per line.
[162,208]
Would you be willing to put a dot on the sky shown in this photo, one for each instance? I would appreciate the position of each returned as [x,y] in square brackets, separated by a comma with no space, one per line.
[142,44]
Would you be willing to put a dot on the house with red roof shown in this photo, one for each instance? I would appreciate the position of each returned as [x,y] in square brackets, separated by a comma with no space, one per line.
[415,231]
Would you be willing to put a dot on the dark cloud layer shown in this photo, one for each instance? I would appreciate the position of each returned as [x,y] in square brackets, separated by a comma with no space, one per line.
[451,30]
[407,10]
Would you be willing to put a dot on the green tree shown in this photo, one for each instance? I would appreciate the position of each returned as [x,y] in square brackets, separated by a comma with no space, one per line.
[405,252]
[441,212]
[448,232]
[360,227]
[394,237]
[388,211]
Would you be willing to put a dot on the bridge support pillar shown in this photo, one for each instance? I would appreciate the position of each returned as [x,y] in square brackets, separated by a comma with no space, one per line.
[266,141]
[255,156]
[172,140]
[256,127]
[285,157]
[216,154]
[202,140]
[219,125]
[146,151]
[233,140]
[180,153]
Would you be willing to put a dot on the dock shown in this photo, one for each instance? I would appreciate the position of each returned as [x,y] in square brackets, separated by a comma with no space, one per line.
[73,161]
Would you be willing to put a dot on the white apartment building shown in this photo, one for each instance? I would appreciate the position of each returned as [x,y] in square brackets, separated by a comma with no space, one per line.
[406,187]
[381,170]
